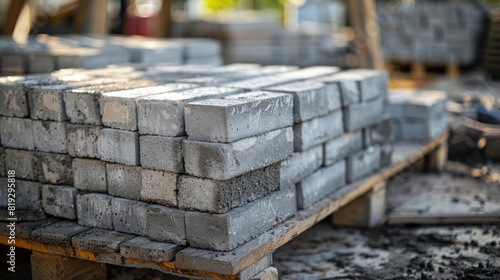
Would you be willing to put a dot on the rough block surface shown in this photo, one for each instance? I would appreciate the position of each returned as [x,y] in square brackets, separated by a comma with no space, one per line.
[82,140]
[89,175]
[59,201]
[166,224]
[162,153]
[94,210]
[300,165]
[119,146]
[316,131]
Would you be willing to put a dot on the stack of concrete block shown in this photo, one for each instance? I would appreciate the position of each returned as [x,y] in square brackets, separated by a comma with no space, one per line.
[434,32]
[417,115]
[179,155]
[44,54]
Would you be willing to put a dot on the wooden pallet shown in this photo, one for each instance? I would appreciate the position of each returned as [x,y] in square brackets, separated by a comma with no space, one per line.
[418,73]
[246,260]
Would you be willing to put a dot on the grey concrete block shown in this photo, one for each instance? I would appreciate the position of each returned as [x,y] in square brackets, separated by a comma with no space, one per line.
[28,195]
[94,210]
[238,116]
[82,140]
[23,215]
[119,108]
[162,153]
[346,84]
[14,100]
[166,224]
[41,63]
[89,175]
[340,147]
[143,248]
[310,72]
[159,187]
[59,233]
[309,99]
[25,163]
[224,232]
[386,150]
[54,168]
[424,129]
[3,170]
[163,114]
[426,104]
[99,240]
[220,196]
[4,197]
[16,133]
[300,165]
[395,106]
[59,201]
[318,130]
[124,181]
[379,133]
[321,183]
[373,84]
[334,97]
[129,216]
[50,136]
[363,163]
[119,146]
[24,229]
[224,161]
[46,102]
[359,115]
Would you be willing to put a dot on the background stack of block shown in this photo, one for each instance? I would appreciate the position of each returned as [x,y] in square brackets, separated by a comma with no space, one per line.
[418,115]
[181,155]
[44,54]
[264,42]
[434,32]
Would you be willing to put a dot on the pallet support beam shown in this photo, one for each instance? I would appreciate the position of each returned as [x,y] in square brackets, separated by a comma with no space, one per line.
[57,267]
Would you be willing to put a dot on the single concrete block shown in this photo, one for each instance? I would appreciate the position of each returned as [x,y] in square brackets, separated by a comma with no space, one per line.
[395,106]
[129,216]
[163,114]
[59,201]
[215,196]
[225,161]
[25,164]
[334,97]
[316,131]
[321,183]
[360,115]
[82,140]
[3,170]
[143,248]
[386,150]
[309,99]
[124,181]
[300,165]
[99,240]
[424,129]
[166,224]
[50,136]
[379,133]
[162,153]
[16,133]
[343,146]
[89,175]
[159,187]
[28,195]
[119,146]
[426,104]
[13,100]
[41,63]
[373,84]
[46,102]
[94,210]
[224,232]
[24,229]
[59,233]
[347,86]
[119,108]
[238,116]
[310,73]
[54,168]
[363,163]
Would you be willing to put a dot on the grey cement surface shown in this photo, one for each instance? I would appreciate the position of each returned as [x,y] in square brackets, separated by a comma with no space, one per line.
[82,140]
[363,163]
[28,195]
[129,216]
[342,146]
[54,168]
[119,146]
[99,240]
[124,181]
[59,233]
[59,201]
[362,114]
[16,133]
[94,210]
[89,175]
[159,187]
[300,165]
[162,153]
[143,248]
[25,163]
[166,224]
[50,136]
[316,131]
